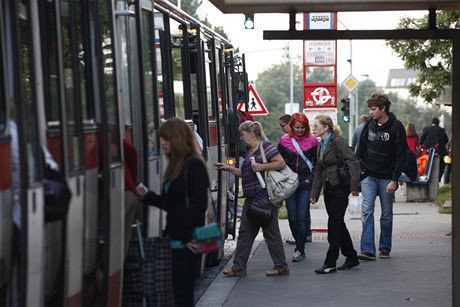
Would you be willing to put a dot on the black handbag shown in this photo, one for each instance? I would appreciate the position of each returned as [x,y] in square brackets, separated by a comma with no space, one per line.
[342,169]
[57,195]
[259,211]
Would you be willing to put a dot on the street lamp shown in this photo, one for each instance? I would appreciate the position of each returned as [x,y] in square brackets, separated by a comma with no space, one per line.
[353,103]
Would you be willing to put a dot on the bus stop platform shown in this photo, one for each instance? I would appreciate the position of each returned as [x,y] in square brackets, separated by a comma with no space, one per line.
[418,273]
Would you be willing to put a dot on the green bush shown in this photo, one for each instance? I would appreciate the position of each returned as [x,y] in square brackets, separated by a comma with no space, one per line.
[444,194]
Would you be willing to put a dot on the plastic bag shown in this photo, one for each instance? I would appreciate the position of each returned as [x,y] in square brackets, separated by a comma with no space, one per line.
[355,206]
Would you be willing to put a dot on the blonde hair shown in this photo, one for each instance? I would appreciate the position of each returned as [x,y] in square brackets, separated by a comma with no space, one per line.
[410,130]
[254,127]
[327,121]
[182,146]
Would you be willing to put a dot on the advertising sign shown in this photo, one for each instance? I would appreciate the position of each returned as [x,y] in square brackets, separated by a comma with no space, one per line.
[320,97]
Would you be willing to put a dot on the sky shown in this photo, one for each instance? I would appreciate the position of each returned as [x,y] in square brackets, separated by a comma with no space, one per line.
[371,58]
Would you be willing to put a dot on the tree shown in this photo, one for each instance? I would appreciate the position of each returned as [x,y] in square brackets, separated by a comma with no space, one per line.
[432,58]
[191,7]
[273,87]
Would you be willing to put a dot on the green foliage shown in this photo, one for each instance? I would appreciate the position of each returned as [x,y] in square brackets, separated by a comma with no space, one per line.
[408,111]
[273,87]
[191,6]
[432,58]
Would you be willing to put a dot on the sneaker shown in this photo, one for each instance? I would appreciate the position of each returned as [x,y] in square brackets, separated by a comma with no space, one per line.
[326,270]
[309,239]
[348,264]
[290,241]
[232,272]
[384,253]
[298,256]
[366,257]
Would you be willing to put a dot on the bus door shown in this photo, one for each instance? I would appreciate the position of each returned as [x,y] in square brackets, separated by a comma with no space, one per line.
[63,91]
[106,92]
[22,41]
[6,200]
[148,51]
[222,123]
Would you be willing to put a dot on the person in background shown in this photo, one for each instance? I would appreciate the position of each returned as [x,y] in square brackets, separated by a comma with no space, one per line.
[283,121]
[412,138]
[252,134]
[331,148]
[380,149]
[357,132]
[298,149]
[436,137]
[186,171]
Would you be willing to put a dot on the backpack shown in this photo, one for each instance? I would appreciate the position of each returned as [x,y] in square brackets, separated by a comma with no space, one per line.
[57,195]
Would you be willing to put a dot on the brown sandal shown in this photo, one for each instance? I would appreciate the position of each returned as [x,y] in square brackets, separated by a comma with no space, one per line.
[277,272]
[232,272]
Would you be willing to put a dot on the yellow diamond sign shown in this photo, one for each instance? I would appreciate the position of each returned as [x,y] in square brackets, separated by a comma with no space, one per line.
[350,83]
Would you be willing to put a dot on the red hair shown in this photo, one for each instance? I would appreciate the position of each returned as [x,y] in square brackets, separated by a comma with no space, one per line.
[301,118]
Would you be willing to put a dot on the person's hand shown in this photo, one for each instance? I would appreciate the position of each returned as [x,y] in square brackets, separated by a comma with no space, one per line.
[313,200]
[256,167]
[191,245]
[392,186]
[221,166]
[141,190]
[355,193]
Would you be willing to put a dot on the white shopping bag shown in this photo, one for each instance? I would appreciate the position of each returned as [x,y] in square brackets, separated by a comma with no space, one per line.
[355,206]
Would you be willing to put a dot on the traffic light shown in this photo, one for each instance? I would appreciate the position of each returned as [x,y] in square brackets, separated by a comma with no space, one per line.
[345,109]
[249,21]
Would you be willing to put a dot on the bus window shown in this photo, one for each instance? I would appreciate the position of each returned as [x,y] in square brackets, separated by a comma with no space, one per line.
[210,102]
[50,62]
[29,113]
[108,75]
[68,46]
[177,69]
[159,34]
[87,105]
[220,95]
[148,44]
[3,112]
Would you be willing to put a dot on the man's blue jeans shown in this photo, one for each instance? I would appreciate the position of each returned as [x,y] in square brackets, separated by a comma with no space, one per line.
[298,207]
[372,187]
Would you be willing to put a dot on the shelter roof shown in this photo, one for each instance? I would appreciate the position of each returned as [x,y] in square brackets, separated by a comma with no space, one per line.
[285,6]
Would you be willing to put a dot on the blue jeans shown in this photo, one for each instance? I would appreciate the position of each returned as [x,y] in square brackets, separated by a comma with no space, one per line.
[371,187]
[298,207]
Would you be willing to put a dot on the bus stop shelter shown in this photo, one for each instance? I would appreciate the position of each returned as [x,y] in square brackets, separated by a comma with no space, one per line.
[431,33]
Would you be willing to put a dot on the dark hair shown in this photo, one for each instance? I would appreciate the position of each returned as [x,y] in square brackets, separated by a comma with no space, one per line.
[379,100]
[435,121]
[301,118]
[285,118]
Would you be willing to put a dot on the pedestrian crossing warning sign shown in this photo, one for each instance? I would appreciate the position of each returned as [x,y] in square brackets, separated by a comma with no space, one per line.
[255,104]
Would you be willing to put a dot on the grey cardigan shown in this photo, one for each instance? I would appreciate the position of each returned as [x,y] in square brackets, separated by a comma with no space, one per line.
[327,166]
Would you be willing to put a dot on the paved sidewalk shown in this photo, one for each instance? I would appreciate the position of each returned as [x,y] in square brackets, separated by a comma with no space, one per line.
[417,274]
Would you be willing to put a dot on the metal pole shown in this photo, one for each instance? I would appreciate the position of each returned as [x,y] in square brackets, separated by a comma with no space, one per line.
[292,80]
[352,100]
